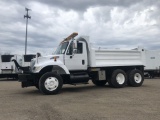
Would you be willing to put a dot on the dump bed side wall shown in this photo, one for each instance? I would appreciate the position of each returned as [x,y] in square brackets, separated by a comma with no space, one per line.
[107,58]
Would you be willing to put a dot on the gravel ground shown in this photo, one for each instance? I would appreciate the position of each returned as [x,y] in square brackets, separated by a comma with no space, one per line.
[81,102]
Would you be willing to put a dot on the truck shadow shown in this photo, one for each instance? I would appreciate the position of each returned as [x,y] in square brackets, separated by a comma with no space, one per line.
[7,79]
[83,88]
[79,89]
[69,89]
[32,92]
[152,78]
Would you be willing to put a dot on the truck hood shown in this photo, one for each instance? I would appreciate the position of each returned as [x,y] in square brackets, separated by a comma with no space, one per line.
[48,59]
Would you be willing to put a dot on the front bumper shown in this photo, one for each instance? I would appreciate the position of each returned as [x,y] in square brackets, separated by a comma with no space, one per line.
[27,79]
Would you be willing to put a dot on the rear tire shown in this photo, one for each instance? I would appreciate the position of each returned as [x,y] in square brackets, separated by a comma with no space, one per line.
[136,78]
[50,83]
[118,78]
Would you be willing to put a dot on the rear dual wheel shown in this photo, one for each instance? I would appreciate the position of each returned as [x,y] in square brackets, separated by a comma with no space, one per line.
[135,78]
[118,79]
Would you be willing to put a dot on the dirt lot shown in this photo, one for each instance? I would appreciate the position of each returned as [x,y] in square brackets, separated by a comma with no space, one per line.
[82,102]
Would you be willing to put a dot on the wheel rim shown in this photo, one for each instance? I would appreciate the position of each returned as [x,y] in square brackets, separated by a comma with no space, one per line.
[51,83]
[120,78]
[137,78]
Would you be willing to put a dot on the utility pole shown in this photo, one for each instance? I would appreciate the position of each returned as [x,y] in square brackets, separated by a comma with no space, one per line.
[28,17]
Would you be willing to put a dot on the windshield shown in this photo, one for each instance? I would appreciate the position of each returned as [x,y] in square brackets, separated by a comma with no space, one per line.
[61,48]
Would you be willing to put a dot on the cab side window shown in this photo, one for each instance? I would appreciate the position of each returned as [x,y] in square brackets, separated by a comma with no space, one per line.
[79,48]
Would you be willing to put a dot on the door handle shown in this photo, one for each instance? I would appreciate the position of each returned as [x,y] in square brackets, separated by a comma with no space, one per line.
[83,62]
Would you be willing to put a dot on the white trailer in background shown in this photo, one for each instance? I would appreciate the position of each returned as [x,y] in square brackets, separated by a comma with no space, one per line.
[152,67]
[7,66]
[26,59]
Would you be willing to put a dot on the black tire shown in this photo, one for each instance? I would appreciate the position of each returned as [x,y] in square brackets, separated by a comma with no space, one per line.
[99,83]
[50,83]
[136,78]
[118,78]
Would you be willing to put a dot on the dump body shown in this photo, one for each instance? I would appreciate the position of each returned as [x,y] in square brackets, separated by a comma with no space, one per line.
[108,58]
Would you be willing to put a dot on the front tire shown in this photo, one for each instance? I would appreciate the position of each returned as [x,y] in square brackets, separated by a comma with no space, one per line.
[136,78]
[50,83]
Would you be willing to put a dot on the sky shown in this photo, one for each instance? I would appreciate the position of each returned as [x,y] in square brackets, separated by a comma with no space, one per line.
[124,24]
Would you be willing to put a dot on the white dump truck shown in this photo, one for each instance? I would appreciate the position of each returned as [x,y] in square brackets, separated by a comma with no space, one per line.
[75,61]
[152,67]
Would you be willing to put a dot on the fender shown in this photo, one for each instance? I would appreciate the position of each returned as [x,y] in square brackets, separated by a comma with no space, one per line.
[57,66]
[61,68]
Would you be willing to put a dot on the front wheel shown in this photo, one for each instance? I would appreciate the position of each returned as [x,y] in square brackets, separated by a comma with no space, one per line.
[50,83]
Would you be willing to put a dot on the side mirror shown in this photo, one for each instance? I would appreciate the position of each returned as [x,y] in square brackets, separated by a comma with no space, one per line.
[38,54]
[74,51]
[75,44]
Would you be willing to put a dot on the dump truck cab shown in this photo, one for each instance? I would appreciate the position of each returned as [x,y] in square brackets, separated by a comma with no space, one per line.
[75,52]
[69,52]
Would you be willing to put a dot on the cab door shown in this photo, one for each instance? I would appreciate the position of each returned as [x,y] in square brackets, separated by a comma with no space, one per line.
[77,60]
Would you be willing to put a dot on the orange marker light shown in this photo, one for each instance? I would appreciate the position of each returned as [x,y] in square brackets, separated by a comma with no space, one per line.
[55,59]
